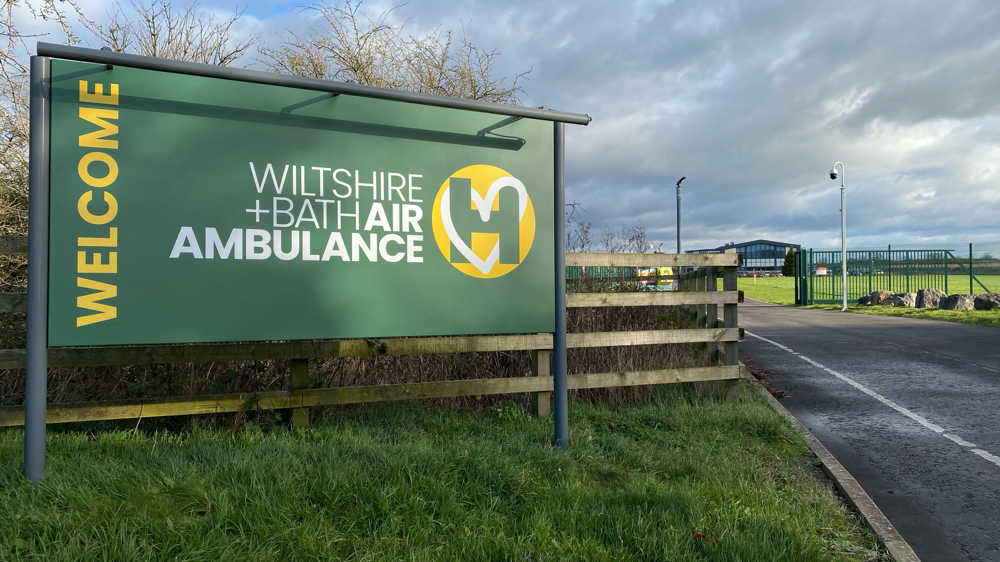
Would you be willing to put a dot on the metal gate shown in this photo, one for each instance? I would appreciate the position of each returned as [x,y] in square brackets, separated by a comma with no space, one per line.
[818,273]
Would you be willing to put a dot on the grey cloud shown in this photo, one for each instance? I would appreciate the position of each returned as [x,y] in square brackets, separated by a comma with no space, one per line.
[754,101]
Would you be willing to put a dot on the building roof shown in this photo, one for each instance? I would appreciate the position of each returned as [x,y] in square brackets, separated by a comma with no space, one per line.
[740,244]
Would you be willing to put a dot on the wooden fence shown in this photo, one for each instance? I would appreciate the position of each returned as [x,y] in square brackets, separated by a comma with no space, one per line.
[695,291]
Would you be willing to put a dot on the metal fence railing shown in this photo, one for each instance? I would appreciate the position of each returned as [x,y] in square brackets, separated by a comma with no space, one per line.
[818,273]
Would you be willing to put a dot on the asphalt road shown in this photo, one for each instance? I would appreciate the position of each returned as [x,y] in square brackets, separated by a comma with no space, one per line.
[910,407]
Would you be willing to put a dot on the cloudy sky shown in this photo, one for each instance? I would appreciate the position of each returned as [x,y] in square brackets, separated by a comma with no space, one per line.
[752,101]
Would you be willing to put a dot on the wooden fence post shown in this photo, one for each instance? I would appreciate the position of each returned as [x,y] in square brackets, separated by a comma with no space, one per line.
[708,317]
[298,375]
[541,366]
[686,286]
[700,283]
[712,313]
[731,320]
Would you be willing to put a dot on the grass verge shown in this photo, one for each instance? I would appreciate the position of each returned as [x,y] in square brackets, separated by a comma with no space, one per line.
[674,479]
[981,317]
[781,290]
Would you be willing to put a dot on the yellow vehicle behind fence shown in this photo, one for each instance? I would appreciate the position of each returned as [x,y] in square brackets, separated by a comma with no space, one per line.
[660,278]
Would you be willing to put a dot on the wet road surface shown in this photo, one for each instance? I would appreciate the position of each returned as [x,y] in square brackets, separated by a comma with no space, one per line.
[910,407]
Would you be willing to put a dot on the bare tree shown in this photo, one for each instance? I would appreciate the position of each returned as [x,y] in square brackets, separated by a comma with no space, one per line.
[14,106]
[352,46]
[578,232]
[13,151]
[157,29]
[627,239]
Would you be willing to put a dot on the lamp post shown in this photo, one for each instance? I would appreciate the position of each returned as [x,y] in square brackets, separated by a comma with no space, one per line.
[843,232]
[679,213]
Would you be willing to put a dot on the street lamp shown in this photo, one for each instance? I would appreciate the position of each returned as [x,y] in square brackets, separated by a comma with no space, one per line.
[679,213]
[843,233]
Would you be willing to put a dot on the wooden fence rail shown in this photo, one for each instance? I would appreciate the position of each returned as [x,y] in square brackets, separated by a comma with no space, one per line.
[654,260]
[324,349]
[13,302]
[281,400]
[18,302]
[303,349]
[696,289]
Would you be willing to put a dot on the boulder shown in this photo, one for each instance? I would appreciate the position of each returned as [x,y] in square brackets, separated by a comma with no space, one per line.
[908,300]
[879,297]
[958,302]
[989,301]
[865,300]
[930,298]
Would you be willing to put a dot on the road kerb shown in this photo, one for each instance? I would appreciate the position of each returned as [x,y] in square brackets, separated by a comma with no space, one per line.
[888,536]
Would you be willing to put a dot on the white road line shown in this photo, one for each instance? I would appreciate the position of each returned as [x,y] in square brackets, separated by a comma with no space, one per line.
[992,458]
[915,417]
[959,440]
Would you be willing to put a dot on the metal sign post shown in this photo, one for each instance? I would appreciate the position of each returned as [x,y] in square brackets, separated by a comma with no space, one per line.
[559,383]
[679,213]
[38,274]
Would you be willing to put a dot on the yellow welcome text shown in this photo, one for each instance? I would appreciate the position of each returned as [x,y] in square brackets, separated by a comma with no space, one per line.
[98,170]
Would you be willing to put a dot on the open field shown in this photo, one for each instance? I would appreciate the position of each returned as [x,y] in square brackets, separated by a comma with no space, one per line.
[781,290]
[671,480]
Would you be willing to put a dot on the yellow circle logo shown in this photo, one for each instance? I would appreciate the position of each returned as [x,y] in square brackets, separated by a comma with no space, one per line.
[483,221]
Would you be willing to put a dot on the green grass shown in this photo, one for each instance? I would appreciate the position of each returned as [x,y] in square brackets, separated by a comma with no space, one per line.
[981,317]
[781,290]
[670,480]
[992,283]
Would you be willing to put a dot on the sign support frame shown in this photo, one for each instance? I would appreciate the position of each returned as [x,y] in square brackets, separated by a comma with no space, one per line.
[39,191]
[112,58]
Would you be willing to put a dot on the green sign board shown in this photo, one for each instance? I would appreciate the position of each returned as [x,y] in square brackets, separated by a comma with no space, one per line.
[192,209]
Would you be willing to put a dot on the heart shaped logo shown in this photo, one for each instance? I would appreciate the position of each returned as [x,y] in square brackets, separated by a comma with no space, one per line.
[483,221]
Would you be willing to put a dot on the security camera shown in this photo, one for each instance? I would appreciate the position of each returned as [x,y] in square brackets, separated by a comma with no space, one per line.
[833,174]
